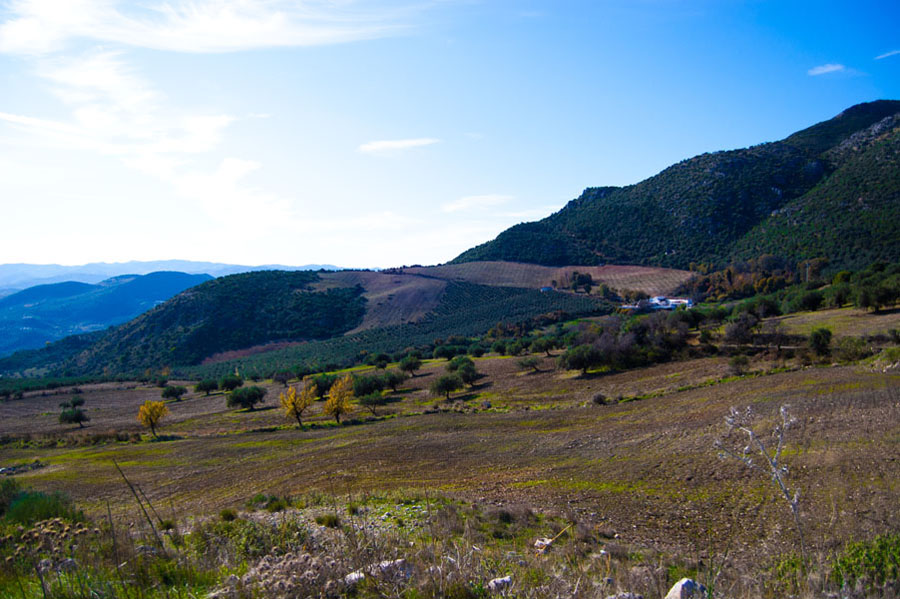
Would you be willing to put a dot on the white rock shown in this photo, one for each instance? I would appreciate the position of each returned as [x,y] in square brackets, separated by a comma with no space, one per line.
[686,588]
[499,584]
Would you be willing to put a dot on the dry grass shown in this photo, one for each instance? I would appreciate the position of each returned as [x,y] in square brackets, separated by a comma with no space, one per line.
[843,322]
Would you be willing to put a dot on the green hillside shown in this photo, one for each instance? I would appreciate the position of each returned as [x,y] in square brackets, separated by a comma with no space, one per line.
[701,209]
[465,309]
[852,217]
[228,313]
[243,312]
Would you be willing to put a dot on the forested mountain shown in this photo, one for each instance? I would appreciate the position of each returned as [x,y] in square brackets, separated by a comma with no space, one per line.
[223,314]
[830,190]
[34,316]
[278,316]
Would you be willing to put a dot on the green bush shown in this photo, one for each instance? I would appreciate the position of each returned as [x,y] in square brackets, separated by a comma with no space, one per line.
[228,515]
[820,342]
[9,490]
[330,520]
[29,507]
[877,560]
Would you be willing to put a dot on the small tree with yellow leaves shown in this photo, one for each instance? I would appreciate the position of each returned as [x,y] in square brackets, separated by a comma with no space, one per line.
[340,397]
[151,413]
[294,403]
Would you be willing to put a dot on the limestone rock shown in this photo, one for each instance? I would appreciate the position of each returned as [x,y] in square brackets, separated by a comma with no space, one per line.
[499,584]
[686,588]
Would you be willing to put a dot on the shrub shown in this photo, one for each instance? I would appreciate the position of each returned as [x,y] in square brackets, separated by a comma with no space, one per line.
[173,392]
[246,397]
[72,412]
[231,382]
[738,364]
[529,363]
[372,402]
[330,520]
[9,490]
[850,349]
[394,378]
[447,384]
[410,364]
[29,507]
[206,386]
[820,342]
[227,515]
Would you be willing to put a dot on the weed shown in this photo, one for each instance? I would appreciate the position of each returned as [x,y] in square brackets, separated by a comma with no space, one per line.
[331,520]
[228,515]
[875,562]
[742,421]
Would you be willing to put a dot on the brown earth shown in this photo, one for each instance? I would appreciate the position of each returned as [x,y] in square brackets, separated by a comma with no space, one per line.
[645,469]
[392,298]
[653,281]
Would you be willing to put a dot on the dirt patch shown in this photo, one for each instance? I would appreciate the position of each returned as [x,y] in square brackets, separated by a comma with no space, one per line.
[392,299]
[237,354]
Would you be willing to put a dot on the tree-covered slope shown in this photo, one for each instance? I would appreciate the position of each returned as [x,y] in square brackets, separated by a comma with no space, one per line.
[698,210]
[37,315]
[852,217]
[223,314]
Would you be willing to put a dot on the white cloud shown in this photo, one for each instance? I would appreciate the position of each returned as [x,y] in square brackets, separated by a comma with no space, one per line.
[887,54]
[389,146]
[41,26]
[478,202]
[825,68]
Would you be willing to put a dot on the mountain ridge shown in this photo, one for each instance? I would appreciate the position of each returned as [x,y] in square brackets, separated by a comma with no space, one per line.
[18,276]
[699,209]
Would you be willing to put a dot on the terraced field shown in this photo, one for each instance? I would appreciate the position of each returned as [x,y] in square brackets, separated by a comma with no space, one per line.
[654,281]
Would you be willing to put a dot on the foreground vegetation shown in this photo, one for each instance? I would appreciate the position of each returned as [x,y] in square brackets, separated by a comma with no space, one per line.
[600,433]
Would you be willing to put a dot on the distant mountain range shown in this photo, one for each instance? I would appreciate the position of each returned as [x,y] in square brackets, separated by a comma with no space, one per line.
[829,191]
[32,317]
[14,277]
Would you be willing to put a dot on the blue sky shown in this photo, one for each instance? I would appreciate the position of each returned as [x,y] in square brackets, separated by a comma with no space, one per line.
[380,133]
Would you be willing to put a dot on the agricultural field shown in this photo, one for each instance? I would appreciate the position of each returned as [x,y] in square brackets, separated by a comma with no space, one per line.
[650,280]
[843,322]
[622,469]
[391,299]
[642,464]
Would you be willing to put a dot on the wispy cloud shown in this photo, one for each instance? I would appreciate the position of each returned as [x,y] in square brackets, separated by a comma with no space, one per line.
[825,68]
[40,26]
[887,54]
[389,146]
[478,202]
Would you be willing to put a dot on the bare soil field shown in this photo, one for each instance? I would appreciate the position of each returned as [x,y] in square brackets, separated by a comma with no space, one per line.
[654,281]
[645,469]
